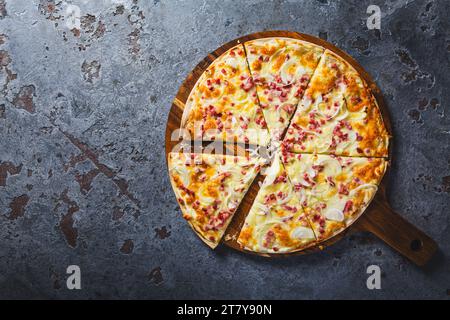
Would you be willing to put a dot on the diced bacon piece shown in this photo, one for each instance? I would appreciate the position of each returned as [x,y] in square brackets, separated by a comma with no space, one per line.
[289,108]
[289,208]
[343,189]
[348,206]
[248,84]
[331,182]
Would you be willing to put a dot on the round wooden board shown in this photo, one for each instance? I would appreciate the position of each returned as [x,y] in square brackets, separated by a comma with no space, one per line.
[379,203]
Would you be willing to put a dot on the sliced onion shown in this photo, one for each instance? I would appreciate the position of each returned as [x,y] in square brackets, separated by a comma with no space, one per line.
[334,114]
[260,209]
[363,186]
[331,166]
[272,172]
[183,173]
[334,214]
[232,62]
[302,233]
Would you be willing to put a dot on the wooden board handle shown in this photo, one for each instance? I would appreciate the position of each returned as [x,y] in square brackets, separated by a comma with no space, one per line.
[392,228]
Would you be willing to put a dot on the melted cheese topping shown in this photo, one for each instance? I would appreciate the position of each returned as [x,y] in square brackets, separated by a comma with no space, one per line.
[223,104]
[276,222]
[209,188]
[337,114]
[281,68]
[334,190]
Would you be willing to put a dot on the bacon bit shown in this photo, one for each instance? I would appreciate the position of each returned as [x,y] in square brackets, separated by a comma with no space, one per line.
[248,84]
[339,134]
[299,92]
[359,150]
[358,137]
[355,99]
[224,175]
[319,168]
[223,71]
[212,111]
[343,189]
[246,139]
[270,198]
[289,108]
[196,204]
[348,206]
[331,182]
[269,239]
[298,187]
[181,201]
[289,208]
[281,178]
[189,192]
[232,53]
[261,122]
[308,179]
[219,124]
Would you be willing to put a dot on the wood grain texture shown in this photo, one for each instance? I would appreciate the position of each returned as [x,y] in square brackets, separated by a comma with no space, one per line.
[378,218]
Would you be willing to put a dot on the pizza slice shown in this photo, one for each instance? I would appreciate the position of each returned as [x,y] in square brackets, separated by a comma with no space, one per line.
[276,222]
[337,114]
[209,188]
[223,104]
[333,190]
[281,68]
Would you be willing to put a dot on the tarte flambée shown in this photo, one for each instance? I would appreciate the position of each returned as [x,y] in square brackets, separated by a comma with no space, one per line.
[333,190]
[337,114]
[209,188]
[325,172]
[276,222]
[281,68]
[223,104]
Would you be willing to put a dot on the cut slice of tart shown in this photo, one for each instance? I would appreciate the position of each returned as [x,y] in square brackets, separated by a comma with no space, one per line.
[281,68]
[337,114]
[223,104]
[209,188]
[333,190]
[276,222]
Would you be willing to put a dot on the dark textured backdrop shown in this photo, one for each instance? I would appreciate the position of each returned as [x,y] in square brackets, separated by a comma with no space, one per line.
[82,168]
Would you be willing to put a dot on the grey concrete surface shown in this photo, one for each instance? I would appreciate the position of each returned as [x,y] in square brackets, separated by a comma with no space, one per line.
[83,109]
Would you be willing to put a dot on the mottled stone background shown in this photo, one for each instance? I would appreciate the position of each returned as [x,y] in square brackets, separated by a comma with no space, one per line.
[83,109]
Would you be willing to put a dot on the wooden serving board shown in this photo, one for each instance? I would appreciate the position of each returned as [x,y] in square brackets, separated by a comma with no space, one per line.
[379,218]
